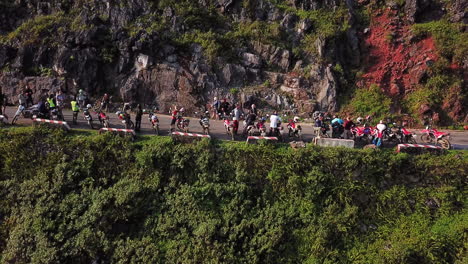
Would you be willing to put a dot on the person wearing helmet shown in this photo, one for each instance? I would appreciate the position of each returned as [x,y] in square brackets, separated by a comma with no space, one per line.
[379,133]
[82,98]
[359,120]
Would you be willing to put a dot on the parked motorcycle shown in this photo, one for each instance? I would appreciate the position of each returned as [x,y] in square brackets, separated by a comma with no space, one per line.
[154,122]
[405,136]
[103,119]
[294,130]
[87,115]
[363,134]
[229,127]
[205,123]
[431,135]
[183,124]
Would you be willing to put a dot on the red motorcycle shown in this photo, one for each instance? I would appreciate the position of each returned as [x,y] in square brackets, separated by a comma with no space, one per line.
[431,135]
[294,130]
[183,124]
[229,127]
[406,136]
[364,134]
[103,119]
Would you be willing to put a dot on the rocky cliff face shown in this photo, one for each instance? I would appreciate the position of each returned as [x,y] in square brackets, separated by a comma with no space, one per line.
[291,54]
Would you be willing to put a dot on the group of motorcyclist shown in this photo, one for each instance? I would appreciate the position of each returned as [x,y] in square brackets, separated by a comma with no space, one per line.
[50,107]
[347,129]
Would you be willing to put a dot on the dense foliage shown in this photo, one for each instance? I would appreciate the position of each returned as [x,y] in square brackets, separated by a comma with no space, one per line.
[75,199]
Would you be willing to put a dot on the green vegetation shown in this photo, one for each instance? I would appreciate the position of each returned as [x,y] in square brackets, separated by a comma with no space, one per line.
[40,29]
[76,198]
[450,39]
[369,101]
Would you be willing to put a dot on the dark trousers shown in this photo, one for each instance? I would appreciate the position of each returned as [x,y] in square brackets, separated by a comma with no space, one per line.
[137,124]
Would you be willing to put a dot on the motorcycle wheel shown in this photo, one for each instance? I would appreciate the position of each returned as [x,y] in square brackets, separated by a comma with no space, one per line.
[90,123]
[15,118]
[106,124]
[411,140]
[444,143]
[426,138]
[157,129]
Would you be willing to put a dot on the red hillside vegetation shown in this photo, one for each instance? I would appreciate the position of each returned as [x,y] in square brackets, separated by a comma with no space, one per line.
[395,61]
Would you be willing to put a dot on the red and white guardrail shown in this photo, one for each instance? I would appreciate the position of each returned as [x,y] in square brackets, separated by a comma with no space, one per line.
[266,138]
[131,131]
[190,134]
[63,123]
[404,146]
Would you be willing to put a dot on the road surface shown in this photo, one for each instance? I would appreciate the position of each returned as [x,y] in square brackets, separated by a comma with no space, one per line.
[459,139]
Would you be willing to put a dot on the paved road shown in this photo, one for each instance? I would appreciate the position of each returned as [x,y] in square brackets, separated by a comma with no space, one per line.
[458,138]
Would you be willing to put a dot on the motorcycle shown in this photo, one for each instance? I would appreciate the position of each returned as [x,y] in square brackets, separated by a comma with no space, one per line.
[406,136]
[3,120]
[31,112]
[183,124]
[87,116]
[205,123]
[363,134]
[390,134]
[154,122]
[125,120]
[229,127]
[103,119]
[54,114]
[278,131]
[431,135]
[294,130]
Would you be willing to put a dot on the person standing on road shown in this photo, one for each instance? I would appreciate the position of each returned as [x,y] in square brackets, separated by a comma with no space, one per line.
[274,120]
[105,101]
[318,125]
[236,113]
[82,98]
[2,101]
[215,108]
[28,93]
[138,115]
[347,127]
[379,133]
[174,115]
[75,108]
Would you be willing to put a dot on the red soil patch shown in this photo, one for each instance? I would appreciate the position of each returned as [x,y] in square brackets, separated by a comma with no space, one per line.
[393,62]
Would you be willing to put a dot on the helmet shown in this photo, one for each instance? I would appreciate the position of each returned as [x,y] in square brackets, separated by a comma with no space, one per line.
[216,98]
[89,106]
[117,113]
[80,91]
[359,119]
[296,119]
[182,109]
[207,112]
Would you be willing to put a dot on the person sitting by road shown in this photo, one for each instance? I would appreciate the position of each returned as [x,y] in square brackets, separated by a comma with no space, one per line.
[174,115]
[347,128]
[274,120]
[224,107]
[379,133]
[236,116]
[82,98]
